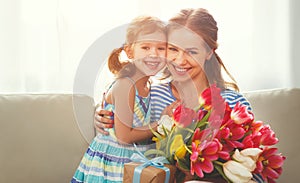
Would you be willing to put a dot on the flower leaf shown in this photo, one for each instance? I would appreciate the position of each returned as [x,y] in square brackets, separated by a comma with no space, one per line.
[219,168]
[156,134]
[156,152]
[182,165]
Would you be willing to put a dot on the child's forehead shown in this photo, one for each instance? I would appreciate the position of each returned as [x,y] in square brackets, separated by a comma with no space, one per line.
[152,37]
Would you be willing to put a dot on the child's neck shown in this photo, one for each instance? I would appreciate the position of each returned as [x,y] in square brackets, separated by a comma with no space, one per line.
[142,84]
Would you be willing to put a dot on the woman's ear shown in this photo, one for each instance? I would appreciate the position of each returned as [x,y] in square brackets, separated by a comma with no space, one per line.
[128,51]
[209,54]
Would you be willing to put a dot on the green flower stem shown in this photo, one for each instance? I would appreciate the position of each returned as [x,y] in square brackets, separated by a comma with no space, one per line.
[188,150]
[218,163]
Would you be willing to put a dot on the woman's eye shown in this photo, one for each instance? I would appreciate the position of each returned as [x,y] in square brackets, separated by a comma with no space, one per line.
[192,52]
[161,48]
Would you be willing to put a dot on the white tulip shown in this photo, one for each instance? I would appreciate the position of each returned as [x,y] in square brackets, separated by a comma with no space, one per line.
[247,157]
[236,172]
[252,152]
[165,122]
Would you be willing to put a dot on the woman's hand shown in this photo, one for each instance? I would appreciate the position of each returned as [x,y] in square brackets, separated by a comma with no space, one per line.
[103,120]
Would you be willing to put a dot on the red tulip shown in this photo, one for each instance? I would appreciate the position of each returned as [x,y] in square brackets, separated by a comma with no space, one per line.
[269,164]
[202,156]
[211,97]
[184,116]
[265,136]
[240,114]
[230,136]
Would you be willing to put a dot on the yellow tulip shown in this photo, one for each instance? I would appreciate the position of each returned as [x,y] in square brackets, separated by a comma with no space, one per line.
[178,147]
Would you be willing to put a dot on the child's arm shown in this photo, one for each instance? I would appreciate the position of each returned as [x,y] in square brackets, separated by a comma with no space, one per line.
[123,96]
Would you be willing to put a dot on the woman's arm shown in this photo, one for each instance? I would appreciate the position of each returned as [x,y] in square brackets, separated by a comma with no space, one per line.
[103,119]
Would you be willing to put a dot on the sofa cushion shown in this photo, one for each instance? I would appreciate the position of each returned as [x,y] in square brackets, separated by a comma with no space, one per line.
[40,137]
[280,108]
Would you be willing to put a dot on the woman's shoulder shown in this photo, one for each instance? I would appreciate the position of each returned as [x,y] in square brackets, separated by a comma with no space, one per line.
[232,97]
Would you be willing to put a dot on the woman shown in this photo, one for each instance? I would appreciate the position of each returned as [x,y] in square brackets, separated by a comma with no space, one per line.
[193,64]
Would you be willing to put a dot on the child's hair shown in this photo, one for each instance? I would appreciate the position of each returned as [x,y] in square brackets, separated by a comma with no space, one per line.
[141,25]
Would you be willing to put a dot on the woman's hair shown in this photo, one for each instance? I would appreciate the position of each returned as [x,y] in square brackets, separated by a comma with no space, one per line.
[141,25]
[202,23]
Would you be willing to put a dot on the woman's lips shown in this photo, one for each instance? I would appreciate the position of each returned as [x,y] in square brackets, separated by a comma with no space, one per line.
[180,70]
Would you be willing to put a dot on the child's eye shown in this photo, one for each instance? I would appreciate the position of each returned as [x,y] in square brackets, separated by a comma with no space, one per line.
[172,49]
[161,48]
[145,48]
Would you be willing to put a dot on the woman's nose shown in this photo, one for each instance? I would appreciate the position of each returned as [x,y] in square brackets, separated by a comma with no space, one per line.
[180,58]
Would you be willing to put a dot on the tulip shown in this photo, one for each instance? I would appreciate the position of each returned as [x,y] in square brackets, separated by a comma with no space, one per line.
[247,157]
[184,116]
[230,136]
[202,156]
[178,147]
[211,97]
[236,172]
[165,122]
[269,164]
[240,114]
[267,136]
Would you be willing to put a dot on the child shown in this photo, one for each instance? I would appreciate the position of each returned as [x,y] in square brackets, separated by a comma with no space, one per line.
[128,98]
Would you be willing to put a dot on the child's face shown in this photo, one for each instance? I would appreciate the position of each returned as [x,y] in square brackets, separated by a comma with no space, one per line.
[149,52]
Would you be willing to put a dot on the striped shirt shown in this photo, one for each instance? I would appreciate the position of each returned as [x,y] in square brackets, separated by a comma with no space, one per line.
[162,96]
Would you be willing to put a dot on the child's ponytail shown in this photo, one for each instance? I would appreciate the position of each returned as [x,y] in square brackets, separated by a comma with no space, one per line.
[114,63]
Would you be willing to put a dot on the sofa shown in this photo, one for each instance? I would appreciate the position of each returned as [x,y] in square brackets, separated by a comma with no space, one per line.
[43,136]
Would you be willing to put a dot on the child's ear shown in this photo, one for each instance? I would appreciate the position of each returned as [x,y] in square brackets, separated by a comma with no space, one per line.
[209,54]
[128,51]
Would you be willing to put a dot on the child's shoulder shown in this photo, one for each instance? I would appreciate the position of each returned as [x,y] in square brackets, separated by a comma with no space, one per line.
[119,88]
[123,82]
[122,85]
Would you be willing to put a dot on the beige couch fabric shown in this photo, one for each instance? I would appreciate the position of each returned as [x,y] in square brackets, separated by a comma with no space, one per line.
[281,109]
[40,139]
[43,137]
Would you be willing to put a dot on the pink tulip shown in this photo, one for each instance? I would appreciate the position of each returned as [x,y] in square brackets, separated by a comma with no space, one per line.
[240,114]
[269,164]
[202,156]
[211,97]
[184,116]
[267,136]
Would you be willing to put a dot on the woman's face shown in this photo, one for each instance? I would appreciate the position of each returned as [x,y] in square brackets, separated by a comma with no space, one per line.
[186,54]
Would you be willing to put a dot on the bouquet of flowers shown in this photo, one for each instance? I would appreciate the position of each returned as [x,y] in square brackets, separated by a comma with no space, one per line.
[214,140]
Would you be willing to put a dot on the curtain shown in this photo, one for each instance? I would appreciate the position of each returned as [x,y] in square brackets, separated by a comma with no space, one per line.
[44,42]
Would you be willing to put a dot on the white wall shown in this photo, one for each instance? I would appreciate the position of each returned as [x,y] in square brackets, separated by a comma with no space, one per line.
[44,41]
[295,42]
